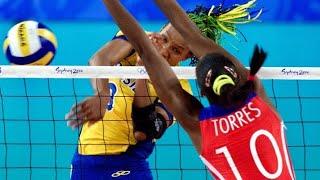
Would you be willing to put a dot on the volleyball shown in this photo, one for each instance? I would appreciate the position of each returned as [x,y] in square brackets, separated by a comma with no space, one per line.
[30,43]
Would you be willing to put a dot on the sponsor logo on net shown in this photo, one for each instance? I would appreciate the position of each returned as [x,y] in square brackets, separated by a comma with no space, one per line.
[71,71]
[294,72]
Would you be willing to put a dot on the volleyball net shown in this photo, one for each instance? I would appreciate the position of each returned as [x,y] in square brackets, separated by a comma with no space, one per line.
[35,142]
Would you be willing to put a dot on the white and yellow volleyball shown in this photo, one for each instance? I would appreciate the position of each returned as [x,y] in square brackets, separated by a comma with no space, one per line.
[30,43]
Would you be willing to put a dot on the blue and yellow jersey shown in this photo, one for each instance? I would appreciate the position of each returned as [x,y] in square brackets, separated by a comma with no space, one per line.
[114,133]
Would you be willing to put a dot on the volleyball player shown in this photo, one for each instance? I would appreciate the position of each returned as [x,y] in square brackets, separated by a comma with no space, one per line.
[107,148]
[240,135]
[112,140]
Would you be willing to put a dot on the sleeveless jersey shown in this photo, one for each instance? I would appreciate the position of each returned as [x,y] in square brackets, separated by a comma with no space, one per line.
[245,143]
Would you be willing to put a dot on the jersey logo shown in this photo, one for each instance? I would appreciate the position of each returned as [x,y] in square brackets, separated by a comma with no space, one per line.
[120,173]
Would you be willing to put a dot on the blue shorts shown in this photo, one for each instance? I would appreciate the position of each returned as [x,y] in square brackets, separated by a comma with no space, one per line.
[129,165]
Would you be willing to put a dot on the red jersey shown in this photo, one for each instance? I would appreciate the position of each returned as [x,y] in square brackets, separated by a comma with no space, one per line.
[245,143]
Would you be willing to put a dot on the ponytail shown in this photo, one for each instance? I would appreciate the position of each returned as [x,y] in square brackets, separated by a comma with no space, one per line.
[257,60]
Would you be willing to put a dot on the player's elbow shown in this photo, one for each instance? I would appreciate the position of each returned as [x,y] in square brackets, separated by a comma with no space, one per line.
[193,129]
[142,46]
[100,59]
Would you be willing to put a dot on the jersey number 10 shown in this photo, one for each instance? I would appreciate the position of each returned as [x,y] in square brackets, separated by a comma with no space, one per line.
[253,150]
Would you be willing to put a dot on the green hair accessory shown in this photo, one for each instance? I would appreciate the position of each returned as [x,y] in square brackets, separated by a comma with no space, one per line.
[216,20]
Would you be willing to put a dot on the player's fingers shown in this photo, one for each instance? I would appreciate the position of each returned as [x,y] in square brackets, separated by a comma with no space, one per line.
[75,115]
[75,123]
[78,123]
[95,114]
[81,115]
[70,116]
[72,113]
[76,119]
[78,113]
[86,115]
[78,107]
[92,117]
[95,109]
[72,123]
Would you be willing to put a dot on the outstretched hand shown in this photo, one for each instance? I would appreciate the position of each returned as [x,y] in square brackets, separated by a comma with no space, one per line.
[91,109]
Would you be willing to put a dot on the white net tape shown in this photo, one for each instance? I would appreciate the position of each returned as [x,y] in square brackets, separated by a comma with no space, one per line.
[138,72]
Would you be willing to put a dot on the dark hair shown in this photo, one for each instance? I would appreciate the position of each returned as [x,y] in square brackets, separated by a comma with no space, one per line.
[231,92]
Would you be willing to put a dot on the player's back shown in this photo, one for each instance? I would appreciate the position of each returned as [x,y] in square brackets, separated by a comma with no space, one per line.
[245,143]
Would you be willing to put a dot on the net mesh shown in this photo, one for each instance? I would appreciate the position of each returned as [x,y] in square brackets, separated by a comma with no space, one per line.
[35,142]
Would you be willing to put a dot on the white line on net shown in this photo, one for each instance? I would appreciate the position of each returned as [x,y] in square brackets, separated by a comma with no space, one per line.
[136,72]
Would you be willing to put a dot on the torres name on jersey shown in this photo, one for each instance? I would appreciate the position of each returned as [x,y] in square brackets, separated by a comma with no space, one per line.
[236,120]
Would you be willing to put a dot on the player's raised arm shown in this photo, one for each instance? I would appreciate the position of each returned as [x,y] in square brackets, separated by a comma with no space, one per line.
[109,55]
[184,106]
[180,20]
[199,44]
[93,108]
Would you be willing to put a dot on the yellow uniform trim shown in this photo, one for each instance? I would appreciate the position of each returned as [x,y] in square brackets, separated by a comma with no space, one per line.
[5,45]
[49,36]
[44,60]
[23,39]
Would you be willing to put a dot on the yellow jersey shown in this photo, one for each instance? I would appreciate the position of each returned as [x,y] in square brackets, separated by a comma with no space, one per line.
[114,133]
